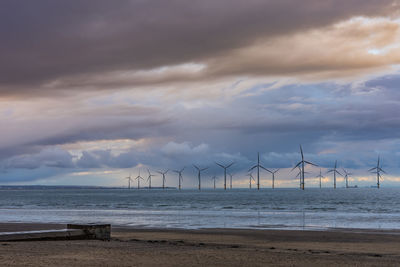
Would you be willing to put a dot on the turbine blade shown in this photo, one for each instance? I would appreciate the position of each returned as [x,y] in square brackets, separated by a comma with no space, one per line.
[311,163]
[252,168]
[301,151]
[265,169]
[262,167]
[298,164]
[230,164]
[220,165]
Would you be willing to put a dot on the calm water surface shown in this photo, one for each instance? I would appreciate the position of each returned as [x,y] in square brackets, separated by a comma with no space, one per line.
[241,208]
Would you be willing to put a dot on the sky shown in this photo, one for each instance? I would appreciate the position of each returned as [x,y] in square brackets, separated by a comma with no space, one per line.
[93,91]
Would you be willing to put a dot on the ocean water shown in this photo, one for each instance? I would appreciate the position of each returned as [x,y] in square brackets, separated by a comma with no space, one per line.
[368,208]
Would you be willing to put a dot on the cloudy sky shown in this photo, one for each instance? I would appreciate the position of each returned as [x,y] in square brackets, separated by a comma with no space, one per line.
[92,91]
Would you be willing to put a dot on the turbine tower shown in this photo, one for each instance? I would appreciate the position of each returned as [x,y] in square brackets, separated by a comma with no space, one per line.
[250,179]
[299,175]
[273,177]
[258,166]
[138,180]
[149,177]
[199,174]
[320,176]
[214,178]
[334,174]
[129,180]
[231,176]
[378,170]
[225,168]
[346,177]
[180,177]
[163,177]
[302,164]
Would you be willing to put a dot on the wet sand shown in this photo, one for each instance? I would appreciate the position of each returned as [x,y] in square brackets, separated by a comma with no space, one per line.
[207,247]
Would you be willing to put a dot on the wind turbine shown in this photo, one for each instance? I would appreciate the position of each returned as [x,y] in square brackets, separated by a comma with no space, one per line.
[320,176]
[129,181]
[180,177]
[346,177]
[231,176]
[138,180]
[149,178]
[334,174]
[273,177]
[214,178]
[302,163]
[250,178]
[299,175]
[225,167]
[163,177]
[258,166]
[199,174]
[378,170]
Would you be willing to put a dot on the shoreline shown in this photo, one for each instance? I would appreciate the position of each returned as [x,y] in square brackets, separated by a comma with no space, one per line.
[28,226]
[130,246]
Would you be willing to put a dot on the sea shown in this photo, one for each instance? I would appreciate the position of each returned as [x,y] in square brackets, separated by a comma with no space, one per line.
[311,209]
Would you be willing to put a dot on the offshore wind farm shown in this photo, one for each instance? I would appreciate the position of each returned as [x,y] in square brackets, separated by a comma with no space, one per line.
[200,133]
[172,202]
[301,175]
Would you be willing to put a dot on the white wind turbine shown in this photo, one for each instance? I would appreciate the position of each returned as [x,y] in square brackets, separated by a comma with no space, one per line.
[334,171]
[230,178]
[301,164]
[138,178]
[250,179]
[225,167]
[346,177]
[258,166]
[273,177]
[214,178]
[377,170]
[199,174]
[149,178]
[163,177]
[320,176]
[129,180]
[180,177]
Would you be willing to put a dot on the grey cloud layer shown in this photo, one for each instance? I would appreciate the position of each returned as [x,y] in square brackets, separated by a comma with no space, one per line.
[45,41]
[329,120]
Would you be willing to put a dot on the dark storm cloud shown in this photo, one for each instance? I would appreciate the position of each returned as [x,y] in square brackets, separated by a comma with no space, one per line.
[48,40]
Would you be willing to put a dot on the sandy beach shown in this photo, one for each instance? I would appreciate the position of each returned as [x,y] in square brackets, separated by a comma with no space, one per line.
[207,247]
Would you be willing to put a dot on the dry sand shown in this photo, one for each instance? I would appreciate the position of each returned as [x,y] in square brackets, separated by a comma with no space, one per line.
[211,247]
